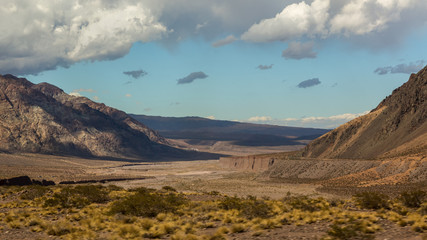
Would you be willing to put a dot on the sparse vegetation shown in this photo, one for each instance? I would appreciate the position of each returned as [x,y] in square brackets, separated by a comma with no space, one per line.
[148,204]
[371,200]
[78,196]
[251,207]
[413,199]
[88,211]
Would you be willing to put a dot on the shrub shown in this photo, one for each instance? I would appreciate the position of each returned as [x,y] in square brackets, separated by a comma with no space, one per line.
[353,229]
[60,228]
[371,200]
[169,189]
[78,196]
[305,203]
[413,199]
[237,228]
[146,204]
[249,208]
[32,192]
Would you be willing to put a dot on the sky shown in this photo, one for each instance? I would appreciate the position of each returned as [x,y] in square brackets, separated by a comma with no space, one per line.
[286,62]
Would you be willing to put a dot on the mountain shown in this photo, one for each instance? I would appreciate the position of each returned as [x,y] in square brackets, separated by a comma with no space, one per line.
[396,127]
[42,118]
[196,129]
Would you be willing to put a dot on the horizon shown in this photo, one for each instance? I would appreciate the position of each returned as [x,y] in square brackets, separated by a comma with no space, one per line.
[286,63]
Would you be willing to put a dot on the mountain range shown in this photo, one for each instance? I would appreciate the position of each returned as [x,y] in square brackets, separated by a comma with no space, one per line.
[198,130]
[42,118]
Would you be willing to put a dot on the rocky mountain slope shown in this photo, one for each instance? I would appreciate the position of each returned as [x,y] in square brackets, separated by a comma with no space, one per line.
[41,118]
[396,127]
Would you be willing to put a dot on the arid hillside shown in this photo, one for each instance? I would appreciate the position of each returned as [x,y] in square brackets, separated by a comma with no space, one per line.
[397,127]
[41,118]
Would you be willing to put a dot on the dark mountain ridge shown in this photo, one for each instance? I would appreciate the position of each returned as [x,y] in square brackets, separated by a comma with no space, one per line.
[243,134]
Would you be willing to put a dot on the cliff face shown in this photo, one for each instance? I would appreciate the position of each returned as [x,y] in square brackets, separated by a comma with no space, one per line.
[396,127]
[41,118]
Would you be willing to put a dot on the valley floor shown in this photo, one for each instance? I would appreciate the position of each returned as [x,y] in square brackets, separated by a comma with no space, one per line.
[208,187]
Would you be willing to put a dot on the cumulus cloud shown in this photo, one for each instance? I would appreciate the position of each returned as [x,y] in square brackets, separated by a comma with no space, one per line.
[211,117]
[225,41]
[372,23]
[47,34]
[328,122]
[365,16]
[321,122]
[298,50]
[309,83]
[136,73]
[265,67]
[210,19]
[409,68]
[260,119]
[296,20]
[75,94]
[191,77]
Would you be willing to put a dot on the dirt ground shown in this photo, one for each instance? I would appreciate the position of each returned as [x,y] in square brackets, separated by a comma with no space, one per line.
[186,176]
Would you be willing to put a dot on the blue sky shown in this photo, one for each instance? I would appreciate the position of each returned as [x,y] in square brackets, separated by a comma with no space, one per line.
[314,63]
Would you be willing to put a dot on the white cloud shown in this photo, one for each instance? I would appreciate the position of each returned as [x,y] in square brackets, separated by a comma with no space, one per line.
[325,18]
[260,119]
[211,117]
[314,122]
[296,20]
[224,41]
[299,50]
[365,16]
[47,34]
[75,94]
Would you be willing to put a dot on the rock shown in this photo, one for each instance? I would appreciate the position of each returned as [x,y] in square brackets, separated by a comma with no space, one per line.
[24,181]
[42,118]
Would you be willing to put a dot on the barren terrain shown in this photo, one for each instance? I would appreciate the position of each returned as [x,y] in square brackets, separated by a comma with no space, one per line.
[187,176]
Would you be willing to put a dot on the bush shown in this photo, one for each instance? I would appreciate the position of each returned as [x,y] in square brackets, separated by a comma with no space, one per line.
[79,196]
[372,200]
[305,203]
[413,199]
[32,192]
[146,204]
[249,208]
[169,189]
[351,230]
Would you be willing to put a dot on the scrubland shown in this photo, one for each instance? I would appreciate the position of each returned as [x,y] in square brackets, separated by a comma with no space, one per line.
[111,212]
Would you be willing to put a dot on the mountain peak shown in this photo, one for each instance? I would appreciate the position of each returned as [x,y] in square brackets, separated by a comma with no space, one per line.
[397,126]
[42,118]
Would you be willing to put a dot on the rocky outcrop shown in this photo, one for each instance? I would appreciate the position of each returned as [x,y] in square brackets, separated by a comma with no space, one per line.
[24,181]
[397,127]
[247,163]
[41,118]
